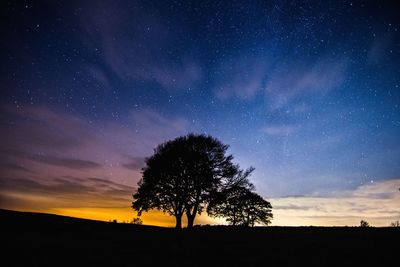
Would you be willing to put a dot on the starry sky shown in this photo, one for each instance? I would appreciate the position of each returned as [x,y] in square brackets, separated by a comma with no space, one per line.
[307,92]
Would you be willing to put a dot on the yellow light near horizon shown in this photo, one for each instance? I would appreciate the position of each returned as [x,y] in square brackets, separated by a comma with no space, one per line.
[153,217]
[120,214]
[48,204]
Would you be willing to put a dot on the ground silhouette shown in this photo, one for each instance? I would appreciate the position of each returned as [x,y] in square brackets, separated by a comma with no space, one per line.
[31,239]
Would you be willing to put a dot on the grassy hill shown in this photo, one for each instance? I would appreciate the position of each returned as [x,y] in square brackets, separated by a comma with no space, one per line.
[34,239]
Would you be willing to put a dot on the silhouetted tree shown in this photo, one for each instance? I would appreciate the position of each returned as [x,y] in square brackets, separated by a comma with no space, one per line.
[137,220]
[395,224]
[364,223]
[240,205]
[182,176]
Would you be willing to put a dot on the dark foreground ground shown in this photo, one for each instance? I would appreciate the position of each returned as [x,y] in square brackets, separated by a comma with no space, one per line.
[31,239]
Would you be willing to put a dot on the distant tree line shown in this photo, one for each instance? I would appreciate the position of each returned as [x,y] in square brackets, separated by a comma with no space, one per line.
[192,174]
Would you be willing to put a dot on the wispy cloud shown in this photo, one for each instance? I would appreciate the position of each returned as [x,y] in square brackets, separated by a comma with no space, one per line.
[290,80]
[126,56]
[56,192]
[41,128]
[70,163]
[56,138]
[150,120]
[99,75]
[5,166]
[282,82]
[136,163]
[177,76]
[142,131]
[66,162]
[378,203]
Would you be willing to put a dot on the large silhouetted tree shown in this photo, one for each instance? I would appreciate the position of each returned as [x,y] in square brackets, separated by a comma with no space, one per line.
[183,175]
[240,205]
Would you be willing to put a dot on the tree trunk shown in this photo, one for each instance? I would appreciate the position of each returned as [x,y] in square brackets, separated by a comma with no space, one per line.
[191,216]
[178,221]
[190,220]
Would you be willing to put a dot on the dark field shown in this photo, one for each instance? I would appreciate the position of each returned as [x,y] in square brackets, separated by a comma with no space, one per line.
[30,239]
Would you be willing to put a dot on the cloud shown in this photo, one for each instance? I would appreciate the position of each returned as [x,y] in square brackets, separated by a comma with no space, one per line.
[22,130]
[36,134]
[280,130]
[281,82]
[13,166]
[41,128]
[152,120]
[56,192]
[66,162]
[176,76]
[295,207]
[378,203]
[380,190]
[290,80]
[55,138]
[135,46]
[102,181]
[71,163]
[136,163]
[99,75]
[152,128]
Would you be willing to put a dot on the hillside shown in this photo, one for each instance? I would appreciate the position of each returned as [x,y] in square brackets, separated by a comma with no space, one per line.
[35,239]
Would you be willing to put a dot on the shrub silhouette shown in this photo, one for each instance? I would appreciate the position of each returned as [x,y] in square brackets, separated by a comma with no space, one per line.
[183,175]
[364,223]
[137,221]
[395,224]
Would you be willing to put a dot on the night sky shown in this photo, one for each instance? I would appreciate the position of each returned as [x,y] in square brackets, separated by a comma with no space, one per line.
[307,92]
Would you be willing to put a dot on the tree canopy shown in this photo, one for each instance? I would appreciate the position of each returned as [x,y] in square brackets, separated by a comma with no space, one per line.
[364,223]
[240,205]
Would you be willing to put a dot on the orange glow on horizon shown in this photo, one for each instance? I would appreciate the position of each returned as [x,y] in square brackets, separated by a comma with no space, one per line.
[153,217]
[125,215]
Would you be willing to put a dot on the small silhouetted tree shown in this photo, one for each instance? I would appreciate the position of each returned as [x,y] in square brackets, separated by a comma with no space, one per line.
[240,205]
[364,223]
[137,221]
[182,176]
[395,224]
